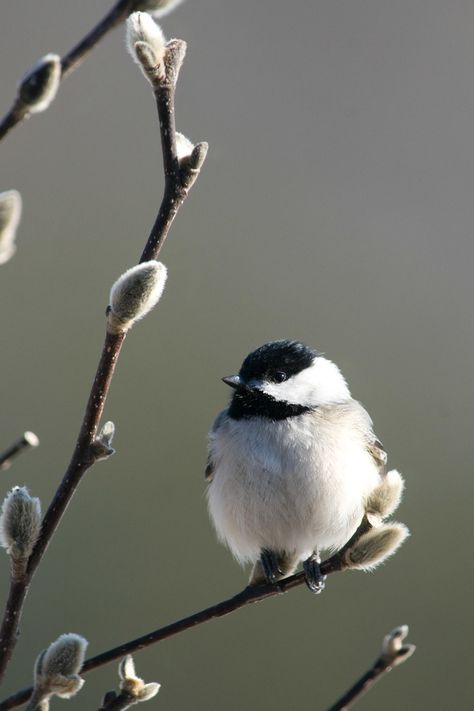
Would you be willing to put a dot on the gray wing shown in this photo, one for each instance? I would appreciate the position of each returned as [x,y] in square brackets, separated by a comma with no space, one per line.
[379,455]
[374,445]
[209,470]
[210,466]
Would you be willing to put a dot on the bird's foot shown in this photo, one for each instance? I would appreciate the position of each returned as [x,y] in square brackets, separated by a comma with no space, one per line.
[270,566]
[315,580]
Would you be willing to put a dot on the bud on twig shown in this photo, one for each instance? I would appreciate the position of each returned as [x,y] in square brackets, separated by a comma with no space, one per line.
[27,440]
[57,670]
[393,651]
[184,147]
[102,445]
[10,213]
[146,44]
[133,690]
[132,685]
[385,498]
[375,546]
[20,523]
[40,85]
[134,294]
[157,8]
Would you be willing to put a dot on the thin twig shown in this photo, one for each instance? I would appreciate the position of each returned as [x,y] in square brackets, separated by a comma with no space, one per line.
[27,440]
[118,702]
[178,181]
[75,56]
[393,654]
[361,686]
[10,120]
[116,15]
[247,596]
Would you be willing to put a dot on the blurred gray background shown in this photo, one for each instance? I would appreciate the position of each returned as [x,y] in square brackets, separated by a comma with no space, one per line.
[336,207]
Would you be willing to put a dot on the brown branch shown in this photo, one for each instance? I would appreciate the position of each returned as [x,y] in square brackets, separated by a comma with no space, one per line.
[116,15]
[247,596]
[362,685]
[10,120]
[117,702]
[75,56]
[393,654]
[179,177]
[27,439]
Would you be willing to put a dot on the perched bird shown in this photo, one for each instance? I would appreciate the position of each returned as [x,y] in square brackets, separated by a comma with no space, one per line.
[291,463]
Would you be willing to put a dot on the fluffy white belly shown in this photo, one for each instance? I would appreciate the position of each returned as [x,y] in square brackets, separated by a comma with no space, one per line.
[305,488]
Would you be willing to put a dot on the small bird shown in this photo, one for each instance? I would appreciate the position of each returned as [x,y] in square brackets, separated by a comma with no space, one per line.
[291,462]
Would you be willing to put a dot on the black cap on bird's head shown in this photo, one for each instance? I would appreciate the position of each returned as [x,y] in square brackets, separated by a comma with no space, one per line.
[291,357]
[274,362]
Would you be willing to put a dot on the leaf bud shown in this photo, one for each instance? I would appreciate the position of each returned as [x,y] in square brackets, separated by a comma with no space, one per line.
[375,546]
[393,651]
[132,685]
[57,667]
[10,214]
[40,85]
[20,523]
[385,498]
[146,44]
[134,294]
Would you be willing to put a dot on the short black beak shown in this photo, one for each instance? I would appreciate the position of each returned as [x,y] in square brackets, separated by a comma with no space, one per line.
[233,380]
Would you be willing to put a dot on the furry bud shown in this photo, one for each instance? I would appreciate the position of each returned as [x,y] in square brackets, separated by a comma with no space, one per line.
[134,294]
[393,651]
[40,85]
[20,523]
[385,498]
[157,8]
[191,163]
[30,439]
[27,439]
[375,546]
[132,685]
[57,667]
[146,44]
[184,147]
[103,443]
[10,213]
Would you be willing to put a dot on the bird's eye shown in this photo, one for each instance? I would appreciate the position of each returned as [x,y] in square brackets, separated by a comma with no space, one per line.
[279,376]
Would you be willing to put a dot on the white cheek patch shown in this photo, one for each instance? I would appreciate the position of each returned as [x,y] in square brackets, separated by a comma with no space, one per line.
[320,384]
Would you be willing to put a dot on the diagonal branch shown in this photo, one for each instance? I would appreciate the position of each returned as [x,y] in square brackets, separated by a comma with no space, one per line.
[116,15]
[179,177]
[249,595]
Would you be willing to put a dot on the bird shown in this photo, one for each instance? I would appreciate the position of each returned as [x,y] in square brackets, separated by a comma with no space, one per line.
[291,462]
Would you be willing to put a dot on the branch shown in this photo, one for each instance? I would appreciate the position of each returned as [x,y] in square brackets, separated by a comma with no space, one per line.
[393,654]
[180,174]
[116,15]
[27,440]
[249,595]
[73,59]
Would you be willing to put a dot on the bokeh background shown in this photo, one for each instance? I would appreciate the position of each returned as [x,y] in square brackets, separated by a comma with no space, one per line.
[336,206]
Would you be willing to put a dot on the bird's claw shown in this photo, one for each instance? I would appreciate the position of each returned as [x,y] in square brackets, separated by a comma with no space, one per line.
[270,566]
[314,579]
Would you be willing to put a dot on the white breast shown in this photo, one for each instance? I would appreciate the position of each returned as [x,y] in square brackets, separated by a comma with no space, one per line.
[291,485]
